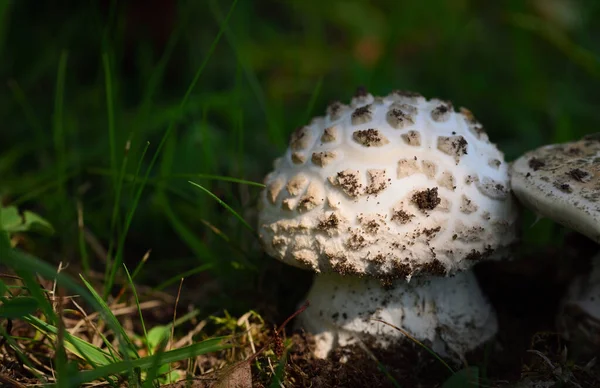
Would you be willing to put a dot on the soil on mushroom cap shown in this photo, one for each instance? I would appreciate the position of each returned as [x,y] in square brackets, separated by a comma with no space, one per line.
[427,199]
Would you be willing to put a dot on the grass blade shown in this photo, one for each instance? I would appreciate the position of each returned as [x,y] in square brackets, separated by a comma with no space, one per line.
[110,112]
[252,79]
[209,177]
[581,56]
[137,303]
[186,274]
[111,269]
[28,112]
[111,278]
[207,346]
[434,354]
[94,356]
[226,206]
[113,321]
[60,146]
[313,100]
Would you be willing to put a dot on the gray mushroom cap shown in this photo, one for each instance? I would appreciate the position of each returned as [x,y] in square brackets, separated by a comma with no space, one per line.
[562,182]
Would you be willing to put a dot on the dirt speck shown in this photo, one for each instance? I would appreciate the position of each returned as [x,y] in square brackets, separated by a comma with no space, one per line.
[427,199]
[401,216]
[535,164]
[362,115]
[370,138]
[564,187]
[579,175]
[434,267]
[330,223]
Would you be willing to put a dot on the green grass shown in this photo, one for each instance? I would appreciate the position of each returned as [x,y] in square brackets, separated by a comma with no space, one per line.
[151,140]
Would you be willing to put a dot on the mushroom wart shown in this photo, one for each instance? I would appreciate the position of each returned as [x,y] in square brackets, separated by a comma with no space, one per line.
[378,192]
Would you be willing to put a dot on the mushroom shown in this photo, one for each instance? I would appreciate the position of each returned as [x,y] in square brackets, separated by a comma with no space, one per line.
[391,201]
[562,182]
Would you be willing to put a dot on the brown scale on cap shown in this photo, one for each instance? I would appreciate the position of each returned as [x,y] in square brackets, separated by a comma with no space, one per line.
[412,138]
[405,95]
[344,268]
[453,145]
[370,138]
[330,134]
[475,255]
[427,199]
[305,256]
[296,185]
[442,112]
[387,280]
[273,190]
[362,115]
[429,168]
[491,188]
[407,167]
[407,109]
[474,126]
[378,181]
[335,110]
[349,181]
[371,227]
[401,216]
[298,158]
[431,232]
[398,118]
[322,159]
[311,199]
[447,181]
[470,179]
[434,267]
[378,259]
[279,241]
[356,241]
[333,200]
[468,233]
[300,139]
[467,206]
[444,205]
[329,224]
[289,204]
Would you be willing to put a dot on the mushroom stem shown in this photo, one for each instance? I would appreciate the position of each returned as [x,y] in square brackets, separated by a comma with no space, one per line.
[579,318]
[448,314]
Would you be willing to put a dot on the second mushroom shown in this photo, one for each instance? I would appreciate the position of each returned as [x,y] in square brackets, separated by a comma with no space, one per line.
[391,201]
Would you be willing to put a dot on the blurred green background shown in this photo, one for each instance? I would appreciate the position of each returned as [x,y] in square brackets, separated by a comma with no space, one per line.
[88,90]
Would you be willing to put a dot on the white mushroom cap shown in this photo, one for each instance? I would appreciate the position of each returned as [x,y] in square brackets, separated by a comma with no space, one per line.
[562,182]
[448,314]
[388,187]
[579,319]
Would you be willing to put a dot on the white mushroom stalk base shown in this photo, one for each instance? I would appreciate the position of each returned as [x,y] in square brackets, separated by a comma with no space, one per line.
[579,319]
[448,314]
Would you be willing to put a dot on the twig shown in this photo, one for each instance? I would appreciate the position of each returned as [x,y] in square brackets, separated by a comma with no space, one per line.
[6,381]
